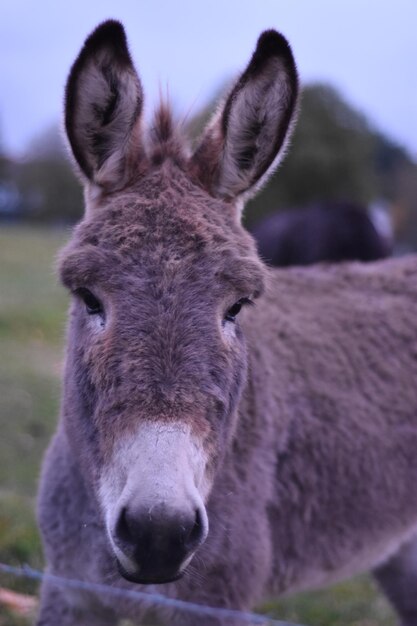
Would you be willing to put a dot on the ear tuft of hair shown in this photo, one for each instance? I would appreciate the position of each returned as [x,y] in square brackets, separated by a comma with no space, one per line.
[162,129]
[165,140]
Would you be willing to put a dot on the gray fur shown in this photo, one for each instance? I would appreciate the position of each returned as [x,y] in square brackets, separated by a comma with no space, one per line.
[305,407]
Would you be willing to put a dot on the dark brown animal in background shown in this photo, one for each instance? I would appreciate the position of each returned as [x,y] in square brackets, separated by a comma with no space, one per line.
[332,232]
[225,450]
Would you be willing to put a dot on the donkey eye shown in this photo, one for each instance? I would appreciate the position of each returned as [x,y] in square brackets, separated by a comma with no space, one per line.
[234,310]
[92,304]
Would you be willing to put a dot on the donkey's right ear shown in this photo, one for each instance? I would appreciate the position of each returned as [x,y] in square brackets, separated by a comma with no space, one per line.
[103,104]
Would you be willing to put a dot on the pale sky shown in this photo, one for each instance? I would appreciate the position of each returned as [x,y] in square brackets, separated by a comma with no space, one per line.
[366,48]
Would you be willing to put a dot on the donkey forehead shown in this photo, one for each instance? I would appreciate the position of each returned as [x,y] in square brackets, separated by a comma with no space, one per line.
[164,207]
[171,230]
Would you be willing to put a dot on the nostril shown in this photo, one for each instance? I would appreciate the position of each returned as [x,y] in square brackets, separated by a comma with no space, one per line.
[123,528]
[196,533]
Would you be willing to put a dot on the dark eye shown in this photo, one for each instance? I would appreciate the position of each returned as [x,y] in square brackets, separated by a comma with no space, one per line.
[234,310]
[92,304]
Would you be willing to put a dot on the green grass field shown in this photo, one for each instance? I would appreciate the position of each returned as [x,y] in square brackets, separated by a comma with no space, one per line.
[32,323]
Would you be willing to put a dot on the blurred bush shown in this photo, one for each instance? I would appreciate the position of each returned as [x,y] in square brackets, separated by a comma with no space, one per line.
[41,187]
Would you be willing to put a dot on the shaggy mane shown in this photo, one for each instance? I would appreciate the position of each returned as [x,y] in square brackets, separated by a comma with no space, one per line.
[166,139]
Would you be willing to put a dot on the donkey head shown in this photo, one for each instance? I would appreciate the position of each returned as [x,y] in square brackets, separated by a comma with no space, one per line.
[159,269]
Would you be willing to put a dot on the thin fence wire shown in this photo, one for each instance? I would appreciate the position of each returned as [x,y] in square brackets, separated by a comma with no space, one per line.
[150,599]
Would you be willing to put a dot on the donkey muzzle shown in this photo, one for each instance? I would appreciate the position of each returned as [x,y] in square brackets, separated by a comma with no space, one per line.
[153,495]
[155,545]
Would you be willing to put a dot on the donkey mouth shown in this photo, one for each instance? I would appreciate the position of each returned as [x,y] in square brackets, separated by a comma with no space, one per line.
[148,578]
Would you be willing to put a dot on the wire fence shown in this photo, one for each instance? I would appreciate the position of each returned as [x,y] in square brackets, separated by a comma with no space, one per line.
[151,600]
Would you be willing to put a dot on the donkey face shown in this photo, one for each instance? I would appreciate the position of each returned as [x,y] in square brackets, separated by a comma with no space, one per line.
[159,270]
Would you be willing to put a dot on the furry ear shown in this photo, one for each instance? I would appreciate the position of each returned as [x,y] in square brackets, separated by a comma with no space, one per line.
[103,103]
[247,137]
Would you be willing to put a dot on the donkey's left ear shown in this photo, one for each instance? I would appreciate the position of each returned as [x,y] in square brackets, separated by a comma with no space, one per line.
[247,137]
[103,104]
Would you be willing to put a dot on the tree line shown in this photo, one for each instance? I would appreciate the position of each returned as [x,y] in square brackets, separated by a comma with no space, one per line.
[335,155]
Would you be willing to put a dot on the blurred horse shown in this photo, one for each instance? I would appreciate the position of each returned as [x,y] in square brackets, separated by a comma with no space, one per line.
[323,232]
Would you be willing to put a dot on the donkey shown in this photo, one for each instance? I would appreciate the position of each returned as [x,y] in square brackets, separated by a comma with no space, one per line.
[333,232]
[223,450]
